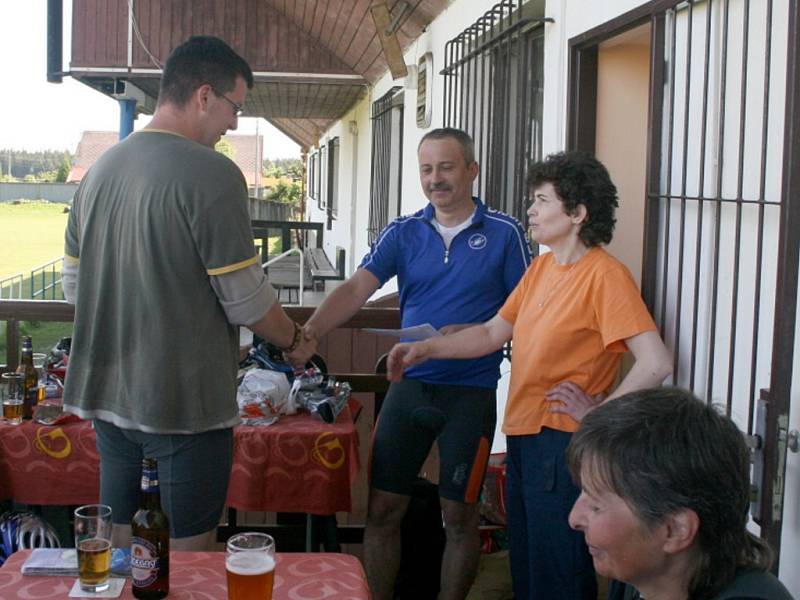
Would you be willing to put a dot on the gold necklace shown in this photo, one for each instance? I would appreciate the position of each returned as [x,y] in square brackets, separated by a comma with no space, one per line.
[549,290]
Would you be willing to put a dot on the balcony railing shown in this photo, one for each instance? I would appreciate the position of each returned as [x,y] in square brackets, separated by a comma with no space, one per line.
[11,286]
[15,311]
[43,283]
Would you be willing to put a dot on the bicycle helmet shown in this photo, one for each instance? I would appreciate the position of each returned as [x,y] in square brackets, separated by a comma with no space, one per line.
[22,530]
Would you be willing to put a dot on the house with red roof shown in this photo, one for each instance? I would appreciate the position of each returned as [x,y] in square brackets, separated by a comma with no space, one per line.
[245,150]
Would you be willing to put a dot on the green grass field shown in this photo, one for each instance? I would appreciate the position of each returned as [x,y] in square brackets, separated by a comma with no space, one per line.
[31,234]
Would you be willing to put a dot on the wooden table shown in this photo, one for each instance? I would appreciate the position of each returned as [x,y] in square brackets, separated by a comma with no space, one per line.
[298,464]
[201,575]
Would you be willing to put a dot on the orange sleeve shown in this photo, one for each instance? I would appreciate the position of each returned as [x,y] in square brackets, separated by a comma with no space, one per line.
[619,309]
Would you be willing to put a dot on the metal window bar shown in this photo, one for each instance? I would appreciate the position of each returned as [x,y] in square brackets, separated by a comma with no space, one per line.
[333,178]
[322,198]
[318,177]
[312,176]
[493,90]
[382,143]
[718,195]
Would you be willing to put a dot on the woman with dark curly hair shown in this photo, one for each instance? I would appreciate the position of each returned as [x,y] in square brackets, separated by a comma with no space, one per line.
[572,316]
[665,483]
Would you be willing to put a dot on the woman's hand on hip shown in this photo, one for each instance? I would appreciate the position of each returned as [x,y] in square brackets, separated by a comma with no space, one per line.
[570,399]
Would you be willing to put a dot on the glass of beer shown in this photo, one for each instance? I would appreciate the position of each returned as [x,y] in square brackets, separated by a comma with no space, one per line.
[12,398]
[93,542]
[40,363]
[250,566]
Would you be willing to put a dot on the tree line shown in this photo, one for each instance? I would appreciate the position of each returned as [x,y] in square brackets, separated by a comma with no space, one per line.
[289,168]
[284,168]
[54,165]
[39,166]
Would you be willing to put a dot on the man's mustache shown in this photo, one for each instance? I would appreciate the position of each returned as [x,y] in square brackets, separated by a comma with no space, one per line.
[439,187]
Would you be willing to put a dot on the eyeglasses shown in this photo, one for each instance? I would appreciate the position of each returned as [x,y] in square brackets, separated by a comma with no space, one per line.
[237,109]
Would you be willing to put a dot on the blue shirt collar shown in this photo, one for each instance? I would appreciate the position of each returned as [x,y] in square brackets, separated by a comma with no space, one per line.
[480,210]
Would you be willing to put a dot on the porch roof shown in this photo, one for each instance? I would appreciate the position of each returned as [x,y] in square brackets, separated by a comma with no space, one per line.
[312,60]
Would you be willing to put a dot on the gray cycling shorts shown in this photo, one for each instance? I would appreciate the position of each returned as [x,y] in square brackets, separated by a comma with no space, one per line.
[193,474]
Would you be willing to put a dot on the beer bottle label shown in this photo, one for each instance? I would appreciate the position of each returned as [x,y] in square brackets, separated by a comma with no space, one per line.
[149,481]
[145,563]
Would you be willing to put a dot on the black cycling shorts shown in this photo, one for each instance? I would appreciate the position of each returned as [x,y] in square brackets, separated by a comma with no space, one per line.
[414,414]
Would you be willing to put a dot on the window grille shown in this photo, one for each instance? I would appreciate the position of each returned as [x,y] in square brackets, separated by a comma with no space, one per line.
[387,160]
[493,90]
[313,167]
[322,178]
[710,272]
[333,179]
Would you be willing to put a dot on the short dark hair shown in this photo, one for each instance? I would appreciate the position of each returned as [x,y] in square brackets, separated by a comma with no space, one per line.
[662,450]
[579,178]
[200,60]
[462,137]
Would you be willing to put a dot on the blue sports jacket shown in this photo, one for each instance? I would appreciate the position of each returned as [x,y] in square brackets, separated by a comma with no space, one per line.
[466,284]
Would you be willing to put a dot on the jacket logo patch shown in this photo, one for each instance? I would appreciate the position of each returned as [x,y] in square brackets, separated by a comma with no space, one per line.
[477,241]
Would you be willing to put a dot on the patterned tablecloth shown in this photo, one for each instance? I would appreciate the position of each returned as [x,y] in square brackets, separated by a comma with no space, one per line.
[201,575]
[298,464]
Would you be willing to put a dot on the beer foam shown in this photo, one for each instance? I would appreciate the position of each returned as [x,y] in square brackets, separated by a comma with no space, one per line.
[249,563]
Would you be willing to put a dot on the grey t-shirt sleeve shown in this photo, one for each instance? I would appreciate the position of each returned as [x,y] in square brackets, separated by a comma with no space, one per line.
[245,294]
[219,219]
[69,279]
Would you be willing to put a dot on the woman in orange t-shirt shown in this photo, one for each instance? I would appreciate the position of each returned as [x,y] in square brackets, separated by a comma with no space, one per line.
[571,317]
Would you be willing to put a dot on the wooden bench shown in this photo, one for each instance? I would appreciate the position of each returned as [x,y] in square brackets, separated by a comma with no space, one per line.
[285,275]
[321,268]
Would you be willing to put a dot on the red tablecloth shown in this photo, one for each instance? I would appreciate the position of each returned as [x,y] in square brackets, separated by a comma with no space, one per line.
[298,464]
[201,575]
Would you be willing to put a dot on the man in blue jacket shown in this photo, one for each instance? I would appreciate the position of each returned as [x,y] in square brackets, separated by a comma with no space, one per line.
[456,261]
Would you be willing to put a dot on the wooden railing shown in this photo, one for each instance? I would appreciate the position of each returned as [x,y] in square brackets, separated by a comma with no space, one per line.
[14,311]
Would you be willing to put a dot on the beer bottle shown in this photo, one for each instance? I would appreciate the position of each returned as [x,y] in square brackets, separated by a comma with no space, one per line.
[30,379]
[150,543]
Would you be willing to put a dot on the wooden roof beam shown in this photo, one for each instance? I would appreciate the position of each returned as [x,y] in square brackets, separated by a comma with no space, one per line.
[385,27]
[300,77]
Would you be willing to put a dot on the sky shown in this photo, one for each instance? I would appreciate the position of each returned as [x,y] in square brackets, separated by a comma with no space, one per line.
[37,115]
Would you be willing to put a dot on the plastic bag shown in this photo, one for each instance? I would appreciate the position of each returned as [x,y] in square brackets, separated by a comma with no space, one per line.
[262,396]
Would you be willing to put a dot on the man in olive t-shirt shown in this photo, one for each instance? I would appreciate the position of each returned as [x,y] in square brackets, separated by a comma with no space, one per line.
[160,263]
